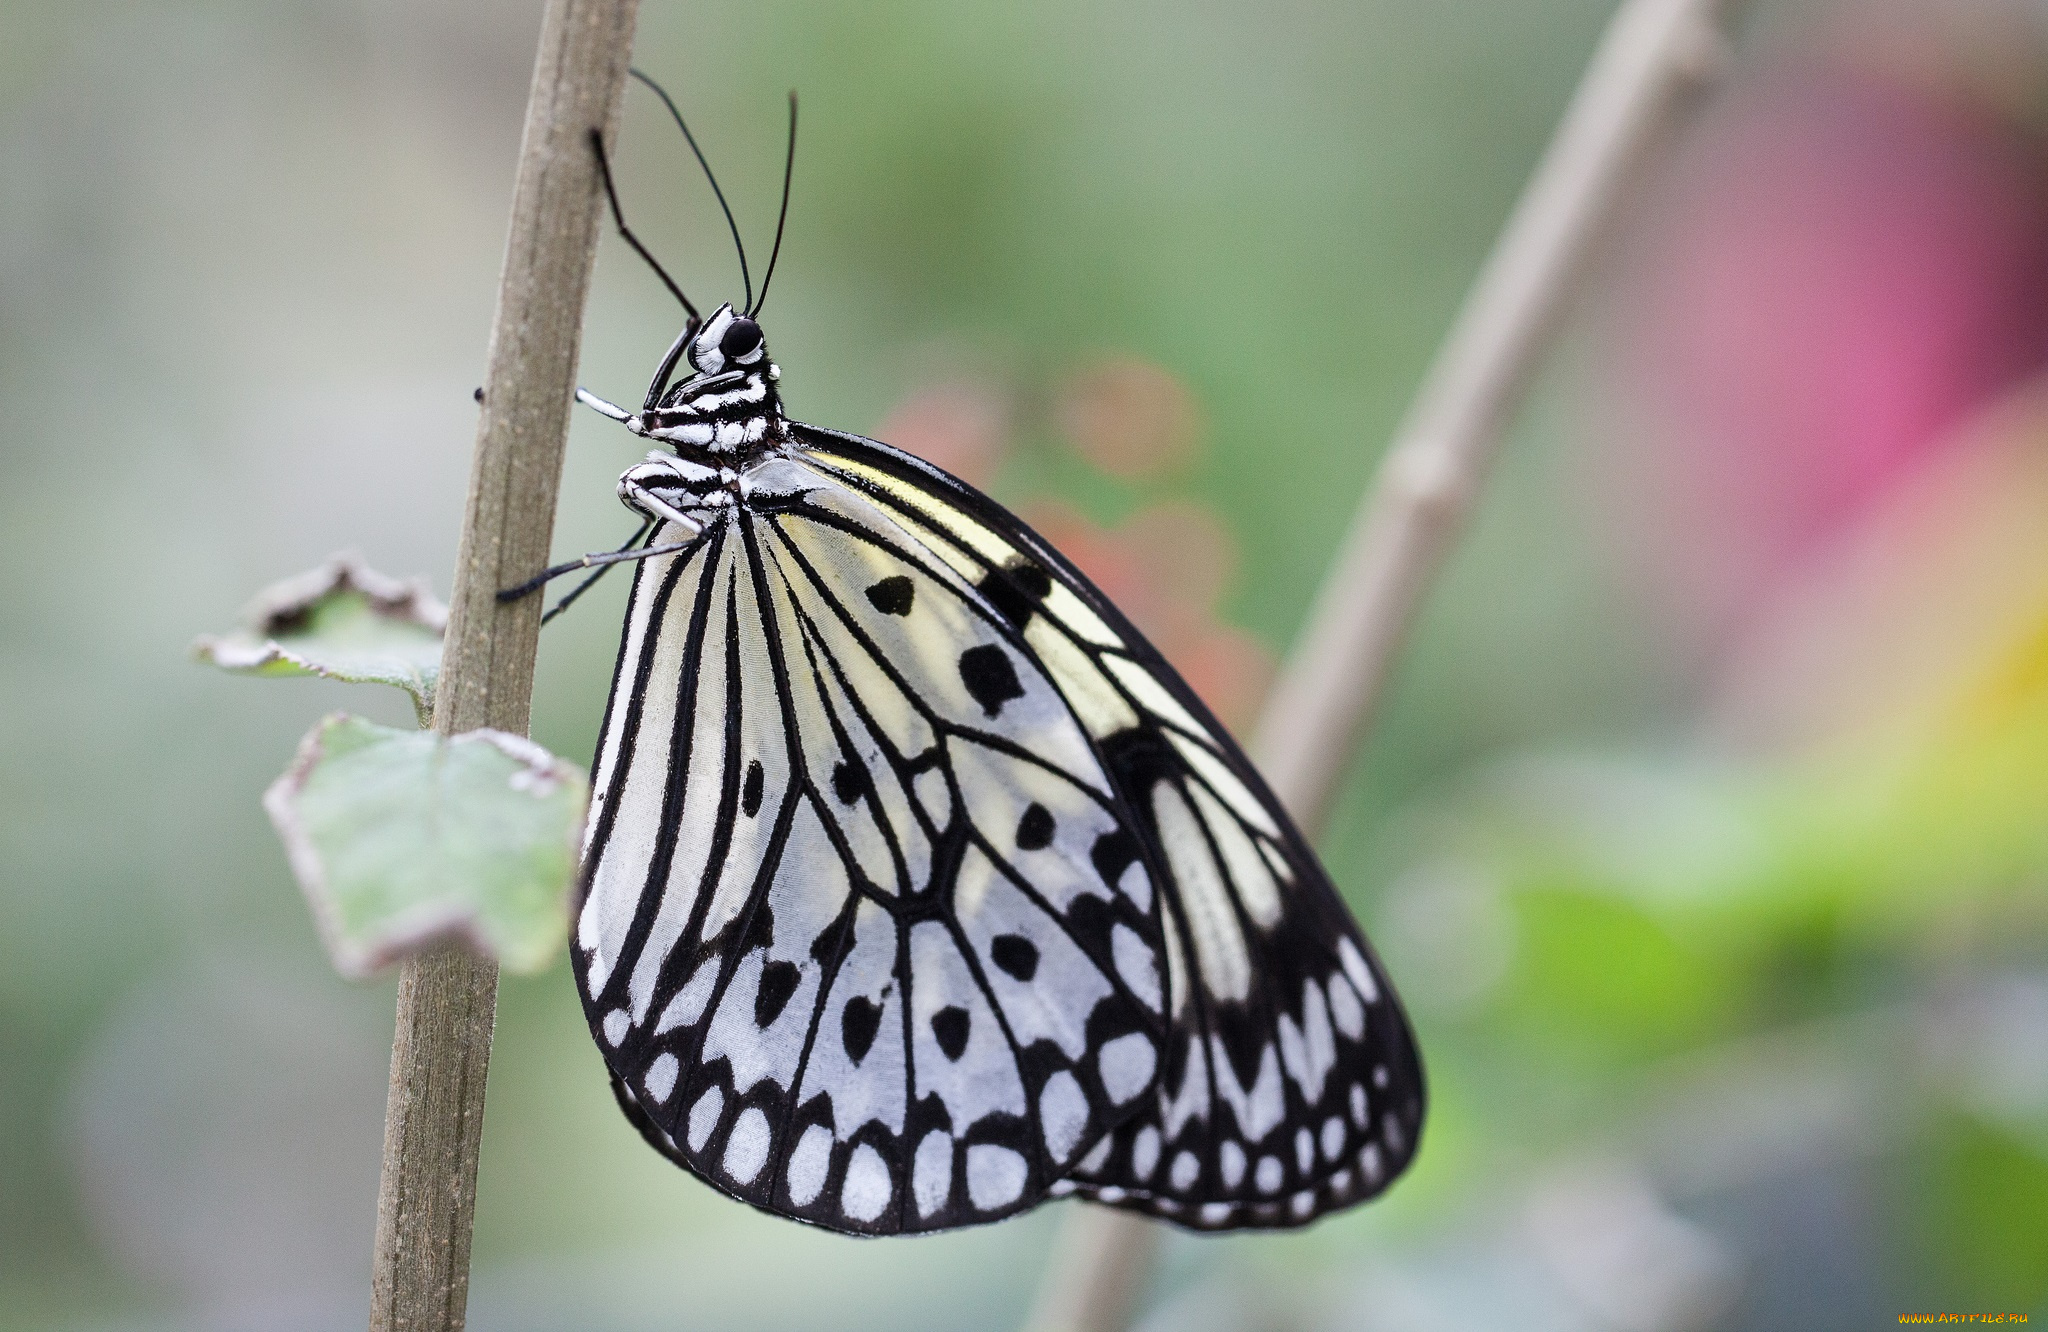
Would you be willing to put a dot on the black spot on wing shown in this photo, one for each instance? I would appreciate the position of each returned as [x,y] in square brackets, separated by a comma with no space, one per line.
[849,780]
[892,596]
[858,1023]
[990,677]
[949,1025]
[750,795]
[1015,954]
[1113,853]
[778,982]
[760,931]
[1035,829]
[1015,589]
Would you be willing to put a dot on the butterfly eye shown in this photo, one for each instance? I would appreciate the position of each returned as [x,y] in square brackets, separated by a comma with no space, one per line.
[741,337]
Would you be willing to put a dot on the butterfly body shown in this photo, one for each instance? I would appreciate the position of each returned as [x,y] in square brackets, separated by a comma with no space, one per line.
[918,888]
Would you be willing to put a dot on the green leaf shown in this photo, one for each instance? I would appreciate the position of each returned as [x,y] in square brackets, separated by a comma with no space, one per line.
[343,620]
[400,838]
[1980,1212]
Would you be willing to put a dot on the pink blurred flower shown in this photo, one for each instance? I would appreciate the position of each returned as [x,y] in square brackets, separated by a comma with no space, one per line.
[962,425]
[1129,417]
[1850,265]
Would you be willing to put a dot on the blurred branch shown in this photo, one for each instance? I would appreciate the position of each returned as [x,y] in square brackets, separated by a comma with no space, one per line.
[1653,54]
[447,998]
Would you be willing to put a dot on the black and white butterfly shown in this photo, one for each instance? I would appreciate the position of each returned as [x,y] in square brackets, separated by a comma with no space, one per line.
[917,887]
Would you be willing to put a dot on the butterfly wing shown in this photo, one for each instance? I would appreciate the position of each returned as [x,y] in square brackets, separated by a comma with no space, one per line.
[1290,1084]
[824,979]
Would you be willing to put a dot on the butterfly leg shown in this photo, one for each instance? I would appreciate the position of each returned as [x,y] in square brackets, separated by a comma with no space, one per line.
[601,561]
[646,530]
[654,489]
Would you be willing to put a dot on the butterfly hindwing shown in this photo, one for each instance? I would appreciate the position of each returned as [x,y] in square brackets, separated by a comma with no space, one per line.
[849,940]
[1290,1083]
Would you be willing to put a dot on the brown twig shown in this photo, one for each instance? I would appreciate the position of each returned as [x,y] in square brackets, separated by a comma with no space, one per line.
[1652,55]
[447,998]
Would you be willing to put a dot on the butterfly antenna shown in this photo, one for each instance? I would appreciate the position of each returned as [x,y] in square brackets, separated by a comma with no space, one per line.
[604,169]
[738,244]
[788,168]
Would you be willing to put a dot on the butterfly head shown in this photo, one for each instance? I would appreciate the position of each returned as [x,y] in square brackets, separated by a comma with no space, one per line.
[728,405]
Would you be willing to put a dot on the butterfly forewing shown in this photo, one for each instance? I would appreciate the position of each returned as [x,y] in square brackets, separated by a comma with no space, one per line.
[862,939]
[1290,1083]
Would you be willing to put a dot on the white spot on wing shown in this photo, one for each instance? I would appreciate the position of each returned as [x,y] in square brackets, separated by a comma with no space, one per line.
[1062,1114]
[660,1077]
[808,1165]
[1355,968]
[1136,964]
[616,1024]
[995,1176]
[704,1117]
[1333,1138]
[1184,1171]
[746,1150]
[1345,1009]
[1127,1064]
[1136,884]
[1145,1153]
[864,1194]
[1230,1159]
[931,1173]
[1269,1175]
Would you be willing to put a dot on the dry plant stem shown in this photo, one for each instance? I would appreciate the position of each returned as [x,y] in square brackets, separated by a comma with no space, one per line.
[447,998]
[1652,55]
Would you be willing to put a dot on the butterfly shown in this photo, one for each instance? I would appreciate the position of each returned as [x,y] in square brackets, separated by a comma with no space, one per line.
[917,887]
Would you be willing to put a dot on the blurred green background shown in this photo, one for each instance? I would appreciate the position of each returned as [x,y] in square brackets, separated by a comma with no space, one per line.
[1704,829]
